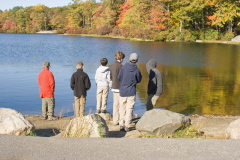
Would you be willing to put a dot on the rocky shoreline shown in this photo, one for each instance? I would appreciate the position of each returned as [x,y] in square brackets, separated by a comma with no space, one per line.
[210,126]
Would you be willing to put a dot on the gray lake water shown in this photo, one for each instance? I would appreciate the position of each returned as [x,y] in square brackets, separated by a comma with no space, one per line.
[199,78]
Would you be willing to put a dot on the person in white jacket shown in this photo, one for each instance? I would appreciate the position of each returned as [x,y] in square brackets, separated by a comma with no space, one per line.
[102,78]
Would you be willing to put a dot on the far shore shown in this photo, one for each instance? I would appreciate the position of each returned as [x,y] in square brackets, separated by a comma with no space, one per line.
[136,39]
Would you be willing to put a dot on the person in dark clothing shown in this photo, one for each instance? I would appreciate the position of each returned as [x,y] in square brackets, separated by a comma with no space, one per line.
[155,84]
[80,83]
[128,76]
[114,70]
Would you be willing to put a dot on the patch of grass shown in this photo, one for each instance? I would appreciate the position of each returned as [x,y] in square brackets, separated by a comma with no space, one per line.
[188,132]
[31,133]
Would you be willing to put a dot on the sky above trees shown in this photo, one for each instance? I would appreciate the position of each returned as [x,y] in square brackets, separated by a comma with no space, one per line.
[9,4]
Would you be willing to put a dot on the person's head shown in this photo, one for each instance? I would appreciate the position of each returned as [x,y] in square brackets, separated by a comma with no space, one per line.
[119,56]
[79,65]
[46,65]
[151,65]
[104,61]
[133,58]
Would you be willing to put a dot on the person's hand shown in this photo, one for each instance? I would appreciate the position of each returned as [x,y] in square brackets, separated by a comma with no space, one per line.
[154,100]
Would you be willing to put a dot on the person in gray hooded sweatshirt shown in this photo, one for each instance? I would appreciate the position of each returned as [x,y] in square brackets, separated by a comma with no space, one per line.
[155,84]
[102,78]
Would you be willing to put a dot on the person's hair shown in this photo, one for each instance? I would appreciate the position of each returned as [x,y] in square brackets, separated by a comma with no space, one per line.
[104,61]
[79,65]
[119,55]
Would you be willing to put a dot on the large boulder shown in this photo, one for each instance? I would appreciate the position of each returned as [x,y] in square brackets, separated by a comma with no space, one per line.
[233,131]
[13,123]
[159,122]
[106,116]
[92,125]
[236,39]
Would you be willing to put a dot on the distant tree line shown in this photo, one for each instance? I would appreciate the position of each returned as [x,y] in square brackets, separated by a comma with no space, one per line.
[159,20]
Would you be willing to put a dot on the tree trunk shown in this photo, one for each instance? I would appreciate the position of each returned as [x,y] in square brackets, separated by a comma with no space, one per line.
[180,28]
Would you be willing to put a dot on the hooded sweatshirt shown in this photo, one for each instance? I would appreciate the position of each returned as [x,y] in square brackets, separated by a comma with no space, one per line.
[102,77]
[155,84]
[129,76]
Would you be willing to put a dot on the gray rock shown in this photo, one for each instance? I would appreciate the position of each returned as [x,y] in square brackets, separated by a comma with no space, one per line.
[236,39]
[92,125]
[133,134]
[233,131]
[13,123]
[106,116]
[159,122]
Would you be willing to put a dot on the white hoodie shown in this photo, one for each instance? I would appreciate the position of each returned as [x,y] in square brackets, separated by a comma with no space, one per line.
[102,77]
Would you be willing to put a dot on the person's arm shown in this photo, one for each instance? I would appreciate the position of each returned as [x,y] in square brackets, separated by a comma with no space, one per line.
[52,82]
[139,76]
[72,82]
[120,74]
[159,84]
[109,79]
[96,77]
[111,76]
[87,83]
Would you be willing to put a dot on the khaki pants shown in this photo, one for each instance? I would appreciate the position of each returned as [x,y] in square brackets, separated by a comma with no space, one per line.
[48,105]
[79,106]
[102,96]
[116,107]
[126,110]
[151,101]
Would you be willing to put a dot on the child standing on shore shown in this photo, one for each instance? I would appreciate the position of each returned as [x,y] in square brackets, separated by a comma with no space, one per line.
[102,78]
[80,83]
[114,70]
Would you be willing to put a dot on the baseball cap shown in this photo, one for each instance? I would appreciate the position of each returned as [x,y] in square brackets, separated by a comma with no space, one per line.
[46,64]
[133,57]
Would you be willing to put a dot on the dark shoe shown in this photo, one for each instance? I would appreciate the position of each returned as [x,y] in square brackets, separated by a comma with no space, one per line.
[122,128]
[127,129]
[52,118]
[104,111]
[44,117]
[98,111]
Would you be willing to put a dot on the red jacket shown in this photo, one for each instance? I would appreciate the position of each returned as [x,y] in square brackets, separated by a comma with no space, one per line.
[47,83]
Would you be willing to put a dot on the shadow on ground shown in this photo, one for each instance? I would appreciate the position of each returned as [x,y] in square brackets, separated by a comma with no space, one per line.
[47,132]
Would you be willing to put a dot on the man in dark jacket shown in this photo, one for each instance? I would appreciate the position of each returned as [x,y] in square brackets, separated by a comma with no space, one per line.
[128,76]
[114,70]
[154,84]
[80,83]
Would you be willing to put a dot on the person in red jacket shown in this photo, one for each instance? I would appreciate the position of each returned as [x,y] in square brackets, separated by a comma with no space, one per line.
[47,86]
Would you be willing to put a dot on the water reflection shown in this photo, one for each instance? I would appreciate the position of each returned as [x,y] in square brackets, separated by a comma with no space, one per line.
[197,90]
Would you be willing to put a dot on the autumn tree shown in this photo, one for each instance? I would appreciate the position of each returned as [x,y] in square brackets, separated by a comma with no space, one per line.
[23,20]
[57,19]
[39,17]
[224,15]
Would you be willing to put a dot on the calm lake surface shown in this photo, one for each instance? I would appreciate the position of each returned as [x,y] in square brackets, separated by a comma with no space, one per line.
[199,78]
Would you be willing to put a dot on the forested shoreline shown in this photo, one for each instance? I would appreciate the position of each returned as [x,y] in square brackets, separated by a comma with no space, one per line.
[158,20]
